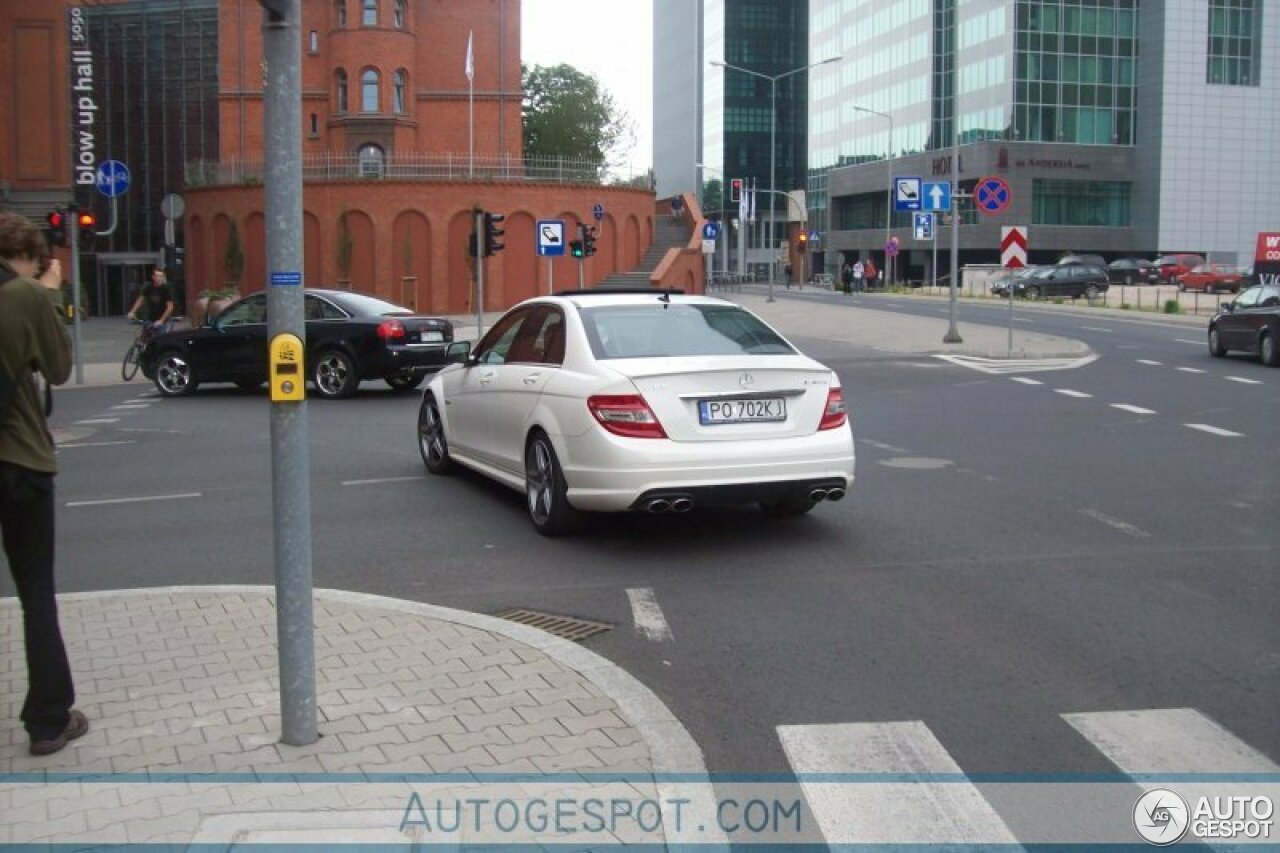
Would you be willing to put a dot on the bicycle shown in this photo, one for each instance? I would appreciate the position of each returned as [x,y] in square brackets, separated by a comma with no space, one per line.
[129,368]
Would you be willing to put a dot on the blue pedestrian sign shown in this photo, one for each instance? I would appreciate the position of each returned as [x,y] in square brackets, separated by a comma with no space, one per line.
[937,196]
[924,226]
[550,237]
[112,178]
[906,194]
[711,231]
[598,212]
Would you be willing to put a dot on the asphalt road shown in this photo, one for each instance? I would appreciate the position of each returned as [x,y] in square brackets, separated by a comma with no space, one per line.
[1011,552]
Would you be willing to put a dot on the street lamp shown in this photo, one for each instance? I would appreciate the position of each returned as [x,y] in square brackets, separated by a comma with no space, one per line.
[888,164]
[773,134]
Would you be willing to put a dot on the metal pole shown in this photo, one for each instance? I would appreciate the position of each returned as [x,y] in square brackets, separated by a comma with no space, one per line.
[72,227]
[888,200]
[290,465]
[953,334]
[773,182]
[551,275]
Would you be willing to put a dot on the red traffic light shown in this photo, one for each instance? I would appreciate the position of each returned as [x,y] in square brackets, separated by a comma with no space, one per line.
[56,219]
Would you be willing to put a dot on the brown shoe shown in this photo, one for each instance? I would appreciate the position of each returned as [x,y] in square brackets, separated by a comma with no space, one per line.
[77,725]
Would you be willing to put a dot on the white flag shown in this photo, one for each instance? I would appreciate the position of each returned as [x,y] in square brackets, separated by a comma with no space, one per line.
[471,60]
[744,204]
[751,203]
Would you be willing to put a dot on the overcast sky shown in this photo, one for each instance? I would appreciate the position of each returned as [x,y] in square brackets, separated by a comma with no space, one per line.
[612,39]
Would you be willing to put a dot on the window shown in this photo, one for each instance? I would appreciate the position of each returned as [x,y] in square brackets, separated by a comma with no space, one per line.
[339,13]
[1234,43]
[372,161]
[369,91]
[399,15]
[369,13]
[493,348]
[315,125]
[1091,203]
[313,42]
[399,83]
[340,85]
[250,311]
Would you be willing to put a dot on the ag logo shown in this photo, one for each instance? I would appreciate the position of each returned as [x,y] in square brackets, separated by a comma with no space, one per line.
[1161,817]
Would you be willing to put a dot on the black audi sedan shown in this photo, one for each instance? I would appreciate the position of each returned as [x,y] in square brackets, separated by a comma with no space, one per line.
[350,337]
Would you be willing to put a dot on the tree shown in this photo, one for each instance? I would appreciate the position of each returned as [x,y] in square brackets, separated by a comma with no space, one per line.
[567,114]
[344,248]
[233,256]
[712,191]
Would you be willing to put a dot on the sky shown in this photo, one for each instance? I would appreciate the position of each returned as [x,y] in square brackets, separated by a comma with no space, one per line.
[613,40]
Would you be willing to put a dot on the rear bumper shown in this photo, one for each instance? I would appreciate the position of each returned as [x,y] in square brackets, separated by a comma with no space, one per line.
[394,359]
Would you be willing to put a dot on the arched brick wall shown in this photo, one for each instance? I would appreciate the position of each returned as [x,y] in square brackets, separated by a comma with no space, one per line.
[410,255]
[312,252]
[519,264]
[255,253]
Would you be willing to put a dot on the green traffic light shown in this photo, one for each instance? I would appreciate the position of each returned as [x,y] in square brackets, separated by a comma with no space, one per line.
[575,248]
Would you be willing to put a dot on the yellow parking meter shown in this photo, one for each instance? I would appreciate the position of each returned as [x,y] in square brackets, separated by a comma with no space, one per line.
[287,377]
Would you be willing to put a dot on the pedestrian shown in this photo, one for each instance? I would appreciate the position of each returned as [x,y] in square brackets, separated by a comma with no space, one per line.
[34,349]
[157,297]
[870,272]
[846,277]
[859,270]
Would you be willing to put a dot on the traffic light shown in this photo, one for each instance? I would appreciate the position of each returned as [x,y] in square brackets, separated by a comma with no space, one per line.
[57,219]
[803,241]
[575,249]
[735,189]
[492,232]
[588,240]
[87,223]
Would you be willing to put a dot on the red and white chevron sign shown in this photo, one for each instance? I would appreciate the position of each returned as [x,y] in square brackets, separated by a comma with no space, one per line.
[1013,246]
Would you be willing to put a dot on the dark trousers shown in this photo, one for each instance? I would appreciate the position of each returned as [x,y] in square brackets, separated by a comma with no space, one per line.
[26,520]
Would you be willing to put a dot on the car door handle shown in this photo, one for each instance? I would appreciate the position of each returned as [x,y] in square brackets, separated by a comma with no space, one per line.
[487,376]
[532,378]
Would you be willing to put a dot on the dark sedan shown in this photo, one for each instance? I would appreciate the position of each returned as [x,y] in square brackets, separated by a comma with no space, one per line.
[1133,271]
[350,337]
[1070,280]
[1251,323]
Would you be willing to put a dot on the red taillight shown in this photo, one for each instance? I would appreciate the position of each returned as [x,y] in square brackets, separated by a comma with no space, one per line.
[626,414]
[391,329]
[834,414]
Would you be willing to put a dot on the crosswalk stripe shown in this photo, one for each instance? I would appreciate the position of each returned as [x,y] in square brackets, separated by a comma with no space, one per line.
[1168,740]
[899,812]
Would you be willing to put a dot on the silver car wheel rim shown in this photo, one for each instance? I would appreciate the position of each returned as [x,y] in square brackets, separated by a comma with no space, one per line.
[174,374]
[432,435]
[539,482]
[331,374]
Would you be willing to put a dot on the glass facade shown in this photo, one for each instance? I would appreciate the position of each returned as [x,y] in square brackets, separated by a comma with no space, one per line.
[1235,43]
[1089,203]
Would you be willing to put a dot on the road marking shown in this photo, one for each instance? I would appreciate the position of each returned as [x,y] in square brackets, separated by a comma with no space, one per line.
[1017,365]
[882,446]
[890,812]
[1067,392]
[132,406]
[648,616]
[1116,524]
[1137,410]
[134,500]
[96,444]
[1213,430]
[1245,381]
[1026,380]
[379,481]
[1096,329]
[1168,740]
[1191,370]
[99,421]
[1150,362]
[1185,341]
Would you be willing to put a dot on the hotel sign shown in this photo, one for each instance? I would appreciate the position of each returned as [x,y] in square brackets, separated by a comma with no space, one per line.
[84,104]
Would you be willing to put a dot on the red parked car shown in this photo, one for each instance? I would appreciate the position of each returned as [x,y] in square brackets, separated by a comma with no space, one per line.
[1212,278]
[1173,267]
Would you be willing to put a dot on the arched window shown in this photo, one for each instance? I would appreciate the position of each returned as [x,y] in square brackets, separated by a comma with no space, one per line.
[399,14]
[369,91]
[399,84]
[339,13]
[340,85]
[372,161]
[369,13]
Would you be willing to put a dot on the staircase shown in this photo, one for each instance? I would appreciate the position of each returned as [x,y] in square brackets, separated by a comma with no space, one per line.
[669,232]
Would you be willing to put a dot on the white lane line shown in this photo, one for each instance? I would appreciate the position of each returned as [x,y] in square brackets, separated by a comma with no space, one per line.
[99,421]
[892,812]
[648,617]
[1191,370]
[126,406]
[1137,410]
[1150,362]
[1096,329]
[1067,392]
[1116,524]
[1026,380]
[1213,430]
[1185,341]
[1242,380]
[143,499]
[1168,740]
[379,481]
[96,444]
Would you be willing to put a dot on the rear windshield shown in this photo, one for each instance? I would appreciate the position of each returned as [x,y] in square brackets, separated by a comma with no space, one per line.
[360,304]
[655,331]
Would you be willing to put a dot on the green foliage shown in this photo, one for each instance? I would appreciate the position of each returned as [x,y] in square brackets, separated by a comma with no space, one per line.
[233,257]
[1172,306]
[568,114]
[345,247]
[712,195]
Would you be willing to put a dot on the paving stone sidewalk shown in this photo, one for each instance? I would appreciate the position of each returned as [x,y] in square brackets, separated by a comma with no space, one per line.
[185,681]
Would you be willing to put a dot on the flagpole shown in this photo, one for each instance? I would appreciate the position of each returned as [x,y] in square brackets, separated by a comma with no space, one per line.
[471,107]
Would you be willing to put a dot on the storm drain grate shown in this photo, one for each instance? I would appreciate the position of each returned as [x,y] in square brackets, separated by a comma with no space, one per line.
[566,627]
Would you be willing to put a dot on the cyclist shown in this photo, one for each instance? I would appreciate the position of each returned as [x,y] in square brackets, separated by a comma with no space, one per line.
[157,298]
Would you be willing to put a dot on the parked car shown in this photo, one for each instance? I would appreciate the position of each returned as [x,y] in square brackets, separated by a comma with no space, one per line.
[1212,278]
[1133,271]
[1085,260]
[350,337]
[642,400]
[1250,323]
[1172,267]
[1070,280]
[1002,285]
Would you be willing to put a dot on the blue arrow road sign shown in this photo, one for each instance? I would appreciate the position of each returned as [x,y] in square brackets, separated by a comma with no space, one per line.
[550,237]
[937,196]
[112,178]
[598,212]
[906,194]
[711,231]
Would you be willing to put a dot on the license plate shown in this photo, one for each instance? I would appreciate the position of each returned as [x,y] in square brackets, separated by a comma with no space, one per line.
[431,337]
[713,412]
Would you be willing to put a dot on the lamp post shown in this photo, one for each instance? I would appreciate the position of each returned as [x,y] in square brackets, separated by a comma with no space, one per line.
[773,135]
[888,165]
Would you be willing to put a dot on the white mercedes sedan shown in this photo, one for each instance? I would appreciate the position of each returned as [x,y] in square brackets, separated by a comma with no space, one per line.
[639,400]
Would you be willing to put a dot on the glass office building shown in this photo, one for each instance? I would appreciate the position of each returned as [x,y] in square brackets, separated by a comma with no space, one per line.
[1105,117]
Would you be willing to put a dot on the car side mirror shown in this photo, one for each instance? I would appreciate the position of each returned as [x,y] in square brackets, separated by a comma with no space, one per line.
[458,352]
[1227,307]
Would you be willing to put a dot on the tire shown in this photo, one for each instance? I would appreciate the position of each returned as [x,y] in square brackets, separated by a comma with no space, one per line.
[249,384]
[1032,292]
[1268,350]
[1091,292]
[1216,349]
[174,377]
[431,439]
[334,375]
[545,489]
[405,380]
[129,368]
[787,506]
